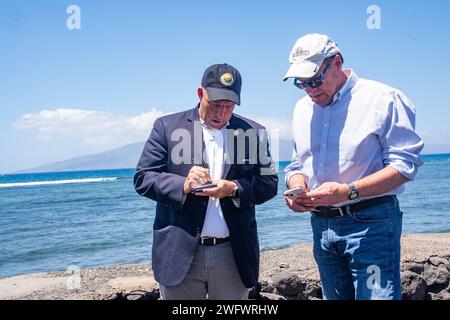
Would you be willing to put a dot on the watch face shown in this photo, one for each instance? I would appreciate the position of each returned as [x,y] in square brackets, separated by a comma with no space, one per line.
[353,195]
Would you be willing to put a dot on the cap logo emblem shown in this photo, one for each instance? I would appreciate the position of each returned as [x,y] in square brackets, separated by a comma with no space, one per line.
[299,52]
[227,79]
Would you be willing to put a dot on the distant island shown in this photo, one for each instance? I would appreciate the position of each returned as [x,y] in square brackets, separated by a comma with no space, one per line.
[119,158]
[127,157]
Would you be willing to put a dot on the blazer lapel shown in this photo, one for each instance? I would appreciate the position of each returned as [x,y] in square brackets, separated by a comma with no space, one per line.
[230,151]
[197,144]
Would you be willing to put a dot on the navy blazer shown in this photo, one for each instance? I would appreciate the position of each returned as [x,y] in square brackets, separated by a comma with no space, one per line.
[178,224]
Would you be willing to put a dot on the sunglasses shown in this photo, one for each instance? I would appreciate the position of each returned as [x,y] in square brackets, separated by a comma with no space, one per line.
[312,83]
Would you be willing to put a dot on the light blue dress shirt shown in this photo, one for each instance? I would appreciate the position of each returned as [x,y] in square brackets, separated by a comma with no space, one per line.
[367,127]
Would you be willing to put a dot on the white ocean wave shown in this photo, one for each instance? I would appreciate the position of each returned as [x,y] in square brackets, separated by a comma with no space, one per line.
[55,182]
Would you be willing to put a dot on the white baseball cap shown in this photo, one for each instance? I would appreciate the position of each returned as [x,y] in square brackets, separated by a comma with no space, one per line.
[308,54]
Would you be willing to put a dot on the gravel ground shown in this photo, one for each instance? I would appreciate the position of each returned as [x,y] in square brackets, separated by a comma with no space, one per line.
[136,281]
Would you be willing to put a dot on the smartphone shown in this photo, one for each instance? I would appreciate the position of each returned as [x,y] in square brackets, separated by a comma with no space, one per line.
[292,193]
[203,187]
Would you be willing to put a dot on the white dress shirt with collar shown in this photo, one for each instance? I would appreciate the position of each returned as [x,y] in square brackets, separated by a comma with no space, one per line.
[215,142]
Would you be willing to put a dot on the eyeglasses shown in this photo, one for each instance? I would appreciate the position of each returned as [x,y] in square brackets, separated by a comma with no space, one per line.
[314,82]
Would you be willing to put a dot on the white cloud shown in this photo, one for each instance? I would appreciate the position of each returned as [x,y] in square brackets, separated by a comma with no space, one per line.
[93,127]
[106,129]
[282,127]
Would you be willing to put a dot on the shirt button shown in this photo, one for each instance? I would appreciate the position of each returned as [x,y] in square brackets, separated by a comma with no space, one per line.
[323,145]
[321,164]
[325,125]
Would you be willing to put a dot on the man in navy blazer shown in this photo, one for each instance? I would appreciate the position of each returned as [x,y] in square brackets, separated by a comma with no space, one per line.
[205,243]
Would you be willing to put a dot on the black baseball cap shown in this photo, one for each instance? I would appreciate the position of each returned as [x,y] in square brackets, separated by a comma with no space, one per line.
[222,82]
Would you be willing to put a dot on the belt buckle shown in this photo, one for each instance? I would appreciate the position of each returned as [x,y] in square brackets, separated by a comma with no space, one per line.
[204,240]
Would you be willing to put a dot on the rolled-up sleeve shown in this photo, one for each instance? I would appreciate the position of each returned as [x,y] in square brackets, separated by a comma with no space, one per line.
[400,142]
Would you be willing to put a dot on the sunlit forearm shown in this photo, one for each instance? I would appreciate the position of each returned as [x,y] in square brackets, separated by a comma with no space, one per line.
[380,182]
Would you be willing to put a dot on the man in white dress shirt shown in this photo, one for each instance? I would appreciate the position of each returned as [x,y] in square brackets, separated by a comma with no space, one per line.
[205,244]
[355,148]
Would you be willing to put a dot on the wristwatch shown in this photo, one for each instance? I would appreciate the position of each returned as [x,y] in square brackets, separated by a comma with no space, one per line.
[353,193]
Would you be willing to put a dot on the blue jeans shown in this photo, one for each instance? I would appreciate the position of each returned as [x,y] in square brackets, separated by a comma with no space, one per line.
[358,254]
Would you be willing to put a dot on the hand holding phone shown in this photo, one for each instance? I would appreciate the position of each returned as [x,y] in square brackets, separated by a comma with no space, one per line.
[292,193]
[203,187]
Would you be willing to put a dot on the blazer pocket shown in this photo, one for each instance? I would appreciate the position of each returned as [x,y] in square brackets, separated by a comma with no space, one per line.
[172,254]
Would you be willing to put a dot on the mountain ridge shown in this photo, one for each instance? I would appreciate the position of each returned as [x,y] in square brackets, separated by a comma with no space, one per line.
[118,158]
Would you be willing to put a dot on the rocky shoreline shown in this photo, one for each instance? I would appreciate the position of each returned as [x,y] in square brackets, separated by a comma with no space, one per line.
[286,274]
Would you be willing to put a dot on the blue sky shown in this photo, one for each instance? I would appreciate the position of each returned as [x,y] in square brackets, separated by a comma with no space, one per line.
[65,93]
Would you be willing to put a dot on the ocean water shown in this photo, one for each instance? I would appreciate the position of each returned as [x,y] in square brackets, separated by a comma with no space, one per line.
[55,221]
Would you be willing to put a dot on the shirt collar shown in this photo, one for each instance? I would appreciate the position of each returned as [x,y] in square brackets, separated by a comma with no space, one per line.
[213,130]
[348,85]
